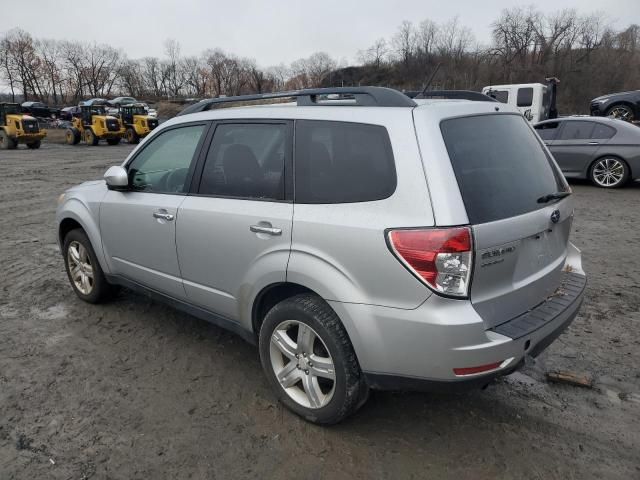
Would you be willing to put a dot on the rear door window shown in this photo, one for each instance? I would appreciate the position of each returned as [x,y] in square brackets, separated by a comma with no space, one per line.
[548,131]
[246,161]
[525,97]
[501,167]
[576,130]
[341,162]
[602,132]
[500,95]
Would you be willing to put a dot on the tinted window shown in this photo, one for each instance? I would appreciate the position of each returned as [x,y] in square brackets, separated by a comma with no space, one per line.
[339,162]
[548,131]
[247,161]
[602,132]
[163,165]
[525,97]
[500,166]
[576,130]
[500,95]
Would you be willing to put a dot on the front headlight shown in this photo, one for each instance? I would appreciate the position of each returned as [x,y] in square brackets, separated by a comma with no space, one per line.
[61,198]
[604,100]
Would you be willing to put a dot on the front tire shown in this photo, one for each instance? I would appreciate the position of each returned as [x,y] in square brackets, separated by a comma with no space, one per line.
[83,269]
[622,112]
[72,136]
[309,360]
[609,172]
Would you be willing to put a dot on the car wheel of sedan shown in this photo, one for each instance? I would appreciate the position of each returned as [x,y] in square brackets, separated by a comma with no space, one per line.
[622,112]
[609,172]
[309,360]
[84,271]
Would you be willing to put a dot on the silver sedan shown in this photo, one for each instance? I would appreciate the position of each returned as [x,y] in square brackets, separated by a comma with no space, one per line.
[603,150]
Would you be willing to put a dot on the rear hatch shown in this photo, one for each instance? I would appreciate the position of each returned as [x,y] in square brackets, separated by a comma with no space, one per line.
[516,202]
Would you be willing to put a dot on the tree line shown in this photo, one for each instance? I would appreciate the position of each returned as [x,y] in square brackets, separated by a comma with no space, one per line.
[588,55]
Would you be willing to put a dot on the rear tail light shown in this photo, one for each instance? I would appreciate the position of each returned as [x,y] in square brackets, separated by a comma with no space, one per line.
[440,257]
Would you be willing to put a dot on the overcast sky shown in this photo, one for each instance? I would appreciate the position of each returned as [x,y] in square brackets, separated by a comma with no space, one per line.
[270,32]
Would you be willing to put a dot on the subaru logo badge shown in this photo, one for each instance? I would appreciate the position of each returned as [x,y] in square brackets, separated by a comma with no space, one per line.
[555,216]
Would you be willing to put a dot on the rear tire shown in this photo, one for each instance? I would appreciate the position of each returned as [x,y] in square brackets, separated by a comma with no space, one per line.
[83,269]
[34,145]
[6,142]
[609,172]
[90,138]
[113,141]
[316,375]
[132,136]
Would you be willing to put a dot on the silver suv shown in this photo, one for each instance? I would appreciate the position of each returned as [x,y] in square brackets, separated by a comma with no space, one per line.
[360,239]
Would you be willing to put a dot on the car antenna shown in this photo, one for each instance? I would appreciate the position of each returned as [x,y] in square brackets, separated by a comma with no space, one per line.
[428,84]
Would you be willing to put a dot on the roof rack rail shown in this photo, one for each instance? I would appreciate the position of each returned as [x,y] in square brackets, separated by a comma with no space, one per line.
[451,95]
[362,96]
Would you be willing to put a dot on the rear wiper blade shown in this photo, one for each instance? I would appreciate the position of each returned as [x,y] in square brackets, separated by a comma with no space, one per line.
[553,196]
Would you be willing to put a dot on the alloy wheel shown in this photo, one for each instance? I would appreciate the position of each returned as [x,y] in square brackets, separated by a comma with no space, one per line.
[80,268]
[621,112]
[302,364]
[608,172]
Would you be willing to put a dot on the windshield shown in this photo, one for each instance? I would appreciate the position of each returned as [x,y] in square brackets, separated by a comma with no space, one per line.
[500,165]
[98,110]
[137,111]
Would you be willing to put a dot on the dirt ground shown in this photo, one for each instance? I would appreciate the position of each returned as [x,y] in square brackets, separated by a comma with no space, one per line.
[136,390]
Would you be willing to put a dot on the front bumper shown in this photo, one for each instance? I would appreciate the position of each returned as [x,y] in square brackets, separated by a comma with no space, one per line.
[598,109]
[418,349]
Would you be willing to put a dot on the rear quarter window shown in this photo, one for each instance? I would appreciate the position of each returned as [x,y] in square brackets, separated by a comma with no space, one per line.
[342,162]
[500,166]
[602,132]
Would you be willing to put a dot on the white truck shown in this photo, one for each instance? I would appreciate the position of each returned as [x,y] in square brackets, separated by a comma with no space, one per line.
[536,101]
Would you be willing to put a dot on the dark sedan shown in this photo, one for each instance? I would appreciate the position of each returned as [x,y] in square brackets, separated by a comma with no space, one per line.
[604,150]
[39,109]
[624,106]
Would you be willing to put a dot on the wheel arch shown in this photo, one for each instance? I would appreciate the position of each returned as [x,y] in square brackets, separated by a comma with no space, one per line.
[76,215]
[271,295]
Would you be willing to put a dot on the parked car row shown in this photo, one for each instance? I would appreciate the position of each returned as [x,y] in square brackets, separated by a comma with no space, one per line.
[41,110]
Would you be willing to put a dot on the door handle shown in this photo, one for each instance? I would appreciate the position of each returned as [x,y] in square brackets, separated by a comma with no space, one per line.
[164,216]
[267,230]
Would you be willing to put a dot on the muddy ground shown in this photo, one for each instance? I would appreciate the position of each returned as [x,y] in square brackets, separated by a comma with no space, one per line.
[136,390]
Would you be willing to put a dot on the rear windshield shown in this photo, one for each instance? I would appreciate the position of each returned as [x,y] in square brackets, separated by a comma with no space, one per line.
[500,166]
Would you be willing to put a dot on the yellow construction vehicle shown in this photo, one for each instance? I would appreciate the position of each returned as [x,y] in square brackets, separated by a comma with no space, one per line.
[136,121]
[94,125]
[16,127]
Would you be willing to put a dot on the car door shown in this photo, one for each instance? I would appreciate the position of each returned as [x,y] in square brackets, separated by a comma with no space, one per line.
[234,231]
[138,226]
[573,147]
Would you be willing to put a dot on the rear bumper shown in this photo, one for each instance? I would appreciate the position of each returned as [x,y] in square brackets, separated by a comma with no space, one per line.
[31,137]
[419,349]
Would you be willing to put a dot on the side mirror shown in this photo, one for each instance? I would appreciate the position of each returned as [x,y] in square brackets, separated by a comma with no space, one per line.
[117,178]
